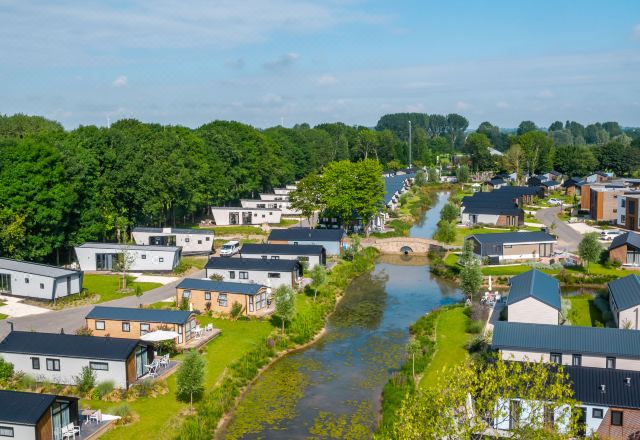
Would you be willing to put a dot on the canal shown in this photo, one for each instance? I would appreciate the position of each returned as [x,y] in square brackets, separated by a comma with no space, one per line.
[332,389]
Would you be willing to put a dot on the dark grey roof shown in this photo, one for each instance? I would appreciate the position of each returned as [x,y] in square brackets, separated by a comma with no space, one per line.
[496,181]
[121,246]
[282,249]
[550,183]
[306,234]
[56,344]
[535,284]
[513,237]
[495,210]
[392,184]
[625,291]
[219,286]
[35,268]
[631,238]
[544,338]
[571,182]
[174,231]
[144,315]
[586,384]
[518,190]
[252,264]
[21,408]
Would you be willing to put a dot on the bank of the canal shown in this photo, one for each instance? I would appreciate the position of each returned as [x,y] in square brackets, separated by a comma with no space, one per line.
[332,389]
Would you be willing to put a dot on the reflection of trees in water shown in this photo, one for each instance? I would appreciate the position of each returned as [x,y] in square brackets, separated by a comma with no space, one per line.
[364,302]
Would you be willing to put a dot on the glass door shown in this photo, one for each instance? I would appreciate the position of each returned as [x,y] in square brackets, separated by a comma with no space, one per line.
[141,361]
[60,417]
[5,282]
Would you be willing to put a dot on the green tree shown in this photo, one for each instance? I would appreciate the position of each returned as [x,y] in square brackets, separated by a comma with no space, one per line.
[526,127]
[462,174]
[589,248]
[190,377]
[86,380]
[306,196]
[467,256]
[414,347]
[456,125]
[471,277]
[12,234]
[470,394]
[420,179]
[446,232]
[514,160]
[537,151]
[449,212]
[434,176]
[394,165]
[318,275]
[285,300]
[575,160]
[477,147]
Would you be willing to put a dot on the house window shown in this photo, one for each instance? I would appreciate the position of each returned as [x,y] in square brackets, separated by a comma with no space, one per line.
[232,275]
[199,241]
[303,259]
[99,325]
[26,280]
[186,240]
[126,327]
[207,238]
[222,300]
[556,358]
[53,364]
[207,296]
[42,285]
[616,418]
[623,203]
[243,275]
[161,260]
[186,293]
[145,328]
[35,363]
[264,257]
[576,360]
[143,256]
[99,366]
[273,275]
[611,363]
[6,431]
[597,413]
[623,218]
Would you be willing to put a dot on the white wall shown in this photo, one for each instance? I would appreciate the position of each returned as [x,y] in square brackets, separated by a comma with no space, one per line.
[255,277]
[632,316]
[40,286]
[190,243]
[69,369]
[313,259]
[21,432]
[282,205]
[486,219]
[143,260]
[567,358]
[258,217]
[530,411]
[533,311]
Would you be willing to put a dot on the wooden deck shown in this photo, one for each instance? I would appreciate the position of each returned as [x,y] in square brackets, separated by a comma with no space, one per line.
[202,340]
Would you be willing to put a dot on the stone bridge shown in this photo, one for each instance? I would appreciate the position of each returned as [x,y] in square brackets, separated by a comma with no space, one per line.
[404,245]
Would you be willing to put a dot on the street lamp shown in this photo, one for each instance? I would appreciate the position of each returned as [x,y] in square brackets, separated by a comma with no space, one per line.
[409,144]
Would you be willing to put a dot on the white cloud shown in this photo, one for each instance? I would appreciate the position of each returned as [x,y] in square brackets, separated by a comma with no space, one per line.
[502,104]
[327,80]
[282,62]
[462,106]
[120,81]
[272,98]
[237,63]
[546,93]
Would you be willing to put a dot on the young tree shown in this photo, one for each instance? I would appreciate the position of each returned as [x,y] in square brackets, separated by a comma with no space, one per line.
[414,347]
[513,160]
[318,274]
[125,260]
[190,377]
[469,395]
[471,277]
[446,232]
[434,176]
[449,212]
[467,255]
[462,174]
[306,196]
[420,179]
[589,248]
[394,165]
[284,296]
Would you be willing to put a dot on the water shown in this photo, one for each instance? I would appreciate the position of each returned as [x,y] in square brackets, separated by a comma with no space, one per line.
[427,225]
[332,389]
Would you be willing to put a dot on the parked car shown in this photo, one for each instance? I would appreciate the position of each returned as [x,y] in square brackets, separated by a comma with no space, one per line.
[554,202]
[610,234]
[230,248]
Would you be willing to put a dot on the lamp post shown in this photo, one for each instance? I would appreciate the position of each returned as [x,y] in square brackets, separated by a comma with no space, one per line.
[409,144]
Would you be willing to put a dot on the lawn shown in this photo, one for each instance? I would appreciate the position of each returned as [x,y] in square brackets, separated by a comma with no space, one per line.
[461,233]
[160,416]
[450,347]
[236,230]
[584,311]
[107,286]
[286,222]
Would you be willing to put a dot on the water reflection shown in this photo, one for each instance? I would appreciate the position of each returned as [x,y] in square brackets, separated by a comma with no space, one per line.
[427,225]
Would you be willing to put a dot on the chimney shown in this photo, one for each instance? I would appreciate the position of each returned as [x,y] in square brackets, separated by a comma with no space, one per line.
[603,389]
[62,330]
[627,381]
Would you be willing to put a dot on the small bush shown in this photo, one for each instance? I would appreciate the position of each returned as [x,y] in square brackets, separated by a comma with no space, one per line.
[27,382]
[125,413]
[474,327]
[236,310]
[102,389]
[6,371]
[86,380]
[84,331]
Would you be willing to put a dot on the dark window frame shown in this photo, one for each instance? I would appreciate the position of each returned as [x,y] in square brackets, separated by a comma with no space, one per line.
[104,325]
[54,363]
[578,358]
[93,365]
[7,431]
[126,326]
[597,413]
[557,356]
[614,418]
[611,360]
[35,363]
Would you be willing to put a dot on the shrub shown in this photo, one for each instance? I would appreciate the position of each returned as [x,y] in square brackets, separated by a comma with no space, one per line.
[216,277]
[236,310]
[474,327]
[84,331]
[102,389]
[86,380]
[124,412]
[6,371]
[184,304]
[27,382]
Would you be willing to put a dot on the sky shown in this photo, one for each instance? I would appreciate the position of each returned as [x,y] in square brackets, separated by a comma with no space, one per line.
[270,62]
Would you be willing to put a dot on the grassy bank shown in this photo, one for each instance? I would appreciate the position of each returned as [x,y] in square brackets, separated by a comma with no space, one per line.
[412,205]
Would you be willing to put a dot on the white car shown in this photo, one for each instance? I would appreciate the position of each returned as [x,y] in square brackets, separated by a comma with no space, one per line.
[230,248]
[610,234]
[554,202]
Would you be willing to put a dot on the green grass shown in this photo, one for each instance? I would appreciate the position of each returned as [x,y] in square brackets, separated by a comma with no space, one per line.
[461,233]
[187,263]
[286,222]
[584,311]
[107,286]
[236,230]
[160,416]
[450,346]
[3,316]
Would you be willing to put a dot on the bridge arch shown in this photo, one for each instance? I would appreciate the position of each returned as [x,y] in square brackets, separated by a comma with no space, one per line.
[406,250]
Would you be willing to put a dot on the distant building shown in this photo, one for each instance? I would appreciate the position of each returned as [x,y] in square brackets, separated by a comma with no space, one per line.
[310,254]
[625,249]
[227,216]
[504,246]
[331,239]
[534,297]
[624,301]
[105,257]
[38,281]
[271,273]
[192,241]
[219,296]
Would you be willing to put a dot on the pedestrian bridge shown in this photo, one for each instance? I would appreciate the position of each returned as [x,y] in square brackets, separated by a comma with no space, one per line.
[404,245]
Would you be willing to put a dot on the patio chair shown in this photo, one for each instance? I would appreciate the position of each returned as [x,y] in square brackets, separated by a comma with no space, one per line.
[164,361]
[66,433]
[153,368]
[209,327]
[96,416]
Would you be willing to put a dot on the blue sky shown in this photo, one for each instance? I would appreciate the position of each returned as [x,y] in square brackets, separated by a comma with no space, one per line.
[265,62]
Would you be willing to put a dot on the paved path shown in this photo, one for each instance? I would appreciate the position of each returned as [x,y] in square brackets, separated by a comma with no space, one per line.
[568,238]
[73,318]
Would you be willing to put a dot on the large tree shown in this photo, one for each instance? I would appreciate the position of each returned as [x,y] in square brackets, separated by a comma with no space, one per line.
[477,147]
[538,151]
[575,160]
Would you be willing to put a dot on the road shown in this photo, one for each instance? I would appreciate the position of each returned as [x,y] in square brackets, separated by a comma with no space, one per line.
[568,238]
[73,318]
